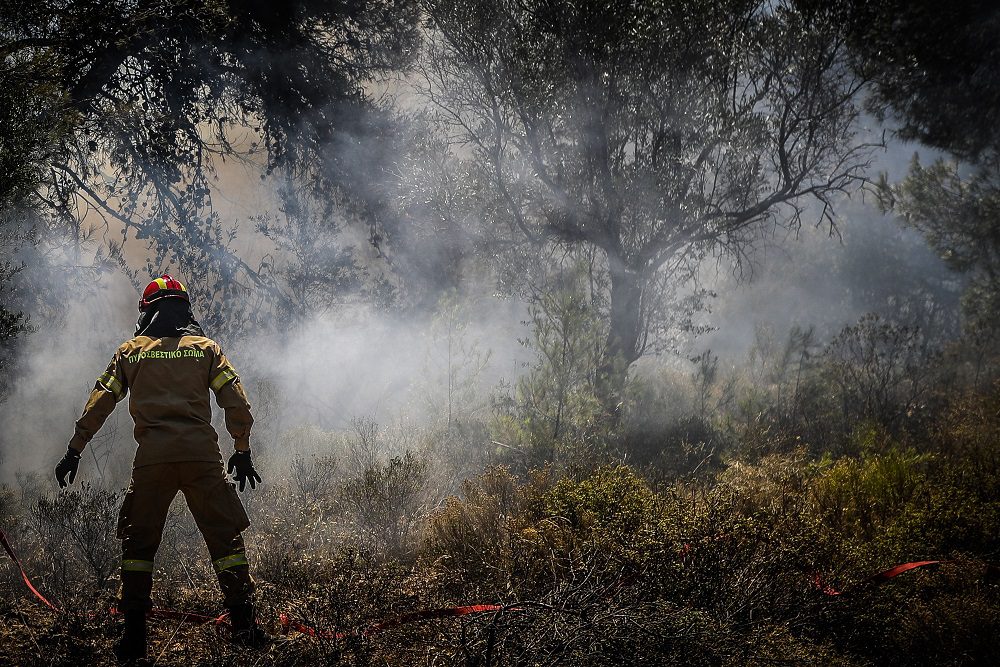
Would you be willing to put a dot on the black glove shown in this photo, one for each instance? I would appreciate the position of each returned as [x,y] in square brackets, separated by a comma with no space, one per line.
[69,463]
[241,463]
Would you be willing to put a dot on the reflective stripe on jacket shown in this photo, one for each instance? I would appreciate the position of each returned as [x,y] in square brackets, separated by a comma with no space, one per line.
[168,381]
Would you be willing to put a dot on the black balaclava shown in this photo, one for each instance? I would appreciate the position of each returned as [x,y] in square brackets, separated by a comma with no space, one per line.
[168,317]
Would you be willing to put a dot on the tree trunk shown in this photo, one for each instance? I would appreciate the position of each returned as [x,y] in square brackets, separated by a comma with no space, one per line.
[622,346]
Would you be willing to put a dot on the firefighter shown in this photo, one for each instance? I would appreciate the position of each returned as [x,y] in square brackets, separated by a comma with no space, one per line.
[168,369]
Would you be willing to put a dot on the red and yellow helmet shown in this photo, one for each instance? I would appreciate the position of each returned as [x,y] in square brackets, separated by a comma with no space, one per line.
[162,288]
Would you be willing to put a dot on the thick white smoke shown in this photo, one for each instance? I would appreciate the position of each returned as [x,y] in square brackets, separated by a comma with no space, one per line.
[57,368]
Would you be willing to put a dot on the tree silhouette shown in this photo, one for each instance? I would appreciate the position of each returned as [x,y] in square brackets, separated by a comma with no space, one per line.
[150,97]
[650,131]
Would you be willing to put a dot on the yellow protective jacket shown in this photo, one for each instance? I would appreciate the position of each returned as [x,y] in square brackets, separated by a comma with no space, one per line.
[168,382]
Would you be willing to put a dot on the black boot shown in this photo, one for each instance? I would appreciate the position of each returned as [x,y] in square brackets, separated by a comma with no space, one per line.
[246,632]
[131,648]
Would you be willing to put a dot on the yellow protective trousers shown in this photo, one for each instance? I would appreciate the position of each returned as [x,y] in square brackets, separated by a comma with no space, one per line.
[217,511]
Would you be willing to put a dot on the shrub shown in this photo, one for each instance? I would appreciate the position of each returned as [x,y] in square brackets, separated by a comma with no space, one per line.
[313,479]
[613,507]
[382,502]
[74,528]
[472,534]
[858,496]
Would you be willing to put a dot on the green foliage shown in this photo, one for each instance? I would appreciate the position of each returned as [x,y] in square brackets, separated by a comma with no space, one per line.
[881,370]
[858,496]
[454,364]
[553,412]
[721,569]
[613,508]
[620,143]
[664,431]
[33,118]
[930,66]
[967,430]
[957,214]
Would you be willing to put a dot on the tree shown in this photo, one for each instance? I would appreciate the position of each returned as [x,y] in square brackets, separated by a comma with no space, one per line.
[960,218]
[31,119]
[934,72]
[933,68]
[155,94]
[647,132]
[549,413]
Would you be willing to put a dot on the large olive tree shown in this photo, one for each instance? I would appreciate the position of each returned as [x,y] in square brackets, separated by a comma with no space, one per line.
[646,131]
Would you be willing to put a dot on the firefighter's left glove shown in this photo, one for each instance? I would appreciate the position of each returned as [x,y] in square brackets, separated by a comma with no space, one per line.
[241,463]
[69,463]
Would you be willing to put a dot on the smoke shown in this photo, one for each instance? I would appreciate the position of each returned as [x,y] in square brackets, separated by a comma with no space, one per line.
[324,372]
[57,367]
[817,281]
[444,356]
[337,367]
[341,360]
[418,366]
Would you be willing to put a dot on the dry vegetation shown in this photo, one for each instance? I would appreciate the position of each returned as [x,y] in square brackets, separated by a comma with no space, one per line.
[739,500]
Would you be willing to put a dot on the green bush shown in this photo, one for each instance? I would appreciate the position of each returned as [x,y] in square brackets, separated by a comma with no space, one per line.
[613,507]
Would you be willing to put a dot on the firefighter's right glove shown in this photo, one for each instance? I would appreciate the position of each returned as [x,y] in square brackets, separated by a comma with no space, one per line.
[69,463]
[241,463]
